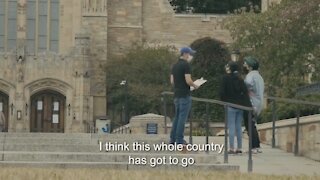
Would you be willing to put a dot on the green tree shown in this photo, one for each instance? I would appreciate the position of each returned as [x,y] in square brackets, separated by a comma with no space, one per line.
[209,61]
[147,72]
[285,39]
[214,6]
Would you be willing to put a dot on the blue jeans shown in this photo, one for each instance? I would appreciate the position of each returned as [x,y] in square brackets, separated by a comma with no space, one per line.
[235,117]
[182,109]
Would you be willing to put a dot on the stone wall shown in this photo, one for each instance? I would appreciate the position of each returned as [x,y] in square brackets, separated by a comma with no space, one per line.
[138,124]
[124,26]
[96,27]
[161,24]
[65,74]
[31,76]
[309,139]
[124,12]
[70,24]
[155,22]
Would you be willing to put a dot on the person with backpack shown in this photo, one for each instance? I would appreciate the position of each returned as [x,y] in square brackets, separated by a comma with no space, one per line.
[233,90]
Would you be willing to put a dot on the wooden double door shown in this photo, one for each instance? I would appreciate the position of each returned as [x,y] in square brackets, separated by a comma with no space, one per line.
[47,112]
[4,107]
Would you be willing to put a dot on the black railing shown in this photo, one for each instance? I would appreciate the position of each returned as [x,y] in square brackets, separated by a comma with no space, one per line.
[225,105]
[250,110]
[298,113]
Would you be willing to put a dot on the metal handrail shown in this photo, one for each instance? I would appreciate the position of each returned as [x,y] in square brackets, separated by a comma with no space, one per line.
[226,105]
[292,101]
[274,118]
[249,109]
[213,101]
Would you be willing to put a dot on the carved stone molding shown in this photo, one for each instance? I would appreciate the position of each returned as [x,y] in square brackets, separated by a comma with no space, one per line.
[94,7]
[5,87]
[48,83]
[21,7]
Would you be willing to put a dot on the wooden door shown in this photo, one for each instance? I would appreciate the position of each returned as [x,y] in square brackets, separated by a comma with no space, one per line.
[47,112]
[4,107]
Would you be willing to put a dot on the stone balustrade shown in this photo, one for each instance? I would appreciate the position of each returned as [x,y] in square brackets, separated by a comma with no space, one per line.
[94,7]
[309,139]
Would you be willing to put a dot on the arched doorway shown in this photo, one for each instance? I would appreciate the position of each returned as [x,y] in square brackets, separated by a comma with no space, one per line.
[4,107]
[47,112]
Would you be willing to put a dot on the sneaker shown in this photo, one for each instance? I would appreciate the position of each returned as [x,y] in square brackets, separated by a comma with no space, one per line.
[231,152]
[238,151]
[254,151]
[184,142]
[259,150]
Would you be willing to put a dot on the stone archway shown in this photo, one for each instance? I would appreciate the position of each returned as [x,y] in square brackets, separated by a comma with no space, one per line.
[55,97]
[48,110]
[4,107]
[7,95]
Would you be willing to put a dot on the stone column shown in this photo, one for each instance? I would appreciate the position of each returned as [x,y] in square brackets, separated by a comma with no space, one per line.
[95,23]
[20,109]
[81,109]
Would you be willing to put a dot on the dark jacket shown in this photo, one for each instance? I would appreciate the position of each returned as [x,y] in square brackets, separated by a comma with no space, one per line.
[234,90]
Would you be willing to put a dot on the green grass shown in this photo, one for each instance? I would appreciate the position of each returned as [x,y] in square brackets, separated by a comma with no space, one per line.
[96,174]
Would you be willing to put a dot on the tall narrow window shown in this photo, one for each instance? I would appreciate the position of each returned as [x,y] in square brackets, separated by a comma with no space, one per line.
[2,25]
[42,25]
[54,25]
[31,25]
[12,24]
[8,24]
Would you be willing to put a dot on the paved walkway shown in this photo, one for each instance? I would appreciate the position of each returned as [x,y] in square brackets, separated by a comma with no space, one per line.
[271,161]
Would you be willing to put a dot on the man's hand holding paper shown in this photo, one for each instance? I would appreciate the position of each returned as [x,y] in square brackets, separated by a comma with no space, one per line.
[198,82]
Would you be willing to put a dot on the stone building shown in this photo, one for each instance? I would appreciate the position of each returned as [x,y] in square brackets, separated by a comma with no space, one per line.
[53,54]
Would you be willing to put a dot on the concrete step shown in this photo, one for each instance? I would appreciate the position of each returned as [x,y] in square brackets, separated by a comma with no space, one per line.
[100,157]
[81,136]
[77,139]
[116,165]
[35,140]
[73,148]
[46,135]
[50,147]
[56,143]
[64,144]
[82,150]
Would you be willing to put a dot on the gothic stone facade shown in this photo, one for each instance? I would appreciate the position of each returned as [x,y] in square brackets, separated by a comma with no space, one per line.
[63,90]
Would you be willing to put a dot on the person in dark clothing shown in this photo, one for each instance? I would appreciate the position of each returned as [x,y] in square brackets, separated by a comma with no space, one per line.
[234,90]
[181,80]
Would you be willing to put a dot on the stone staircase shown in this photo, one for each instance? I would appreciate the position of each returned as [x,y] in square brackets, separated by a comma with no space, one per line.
[83,151]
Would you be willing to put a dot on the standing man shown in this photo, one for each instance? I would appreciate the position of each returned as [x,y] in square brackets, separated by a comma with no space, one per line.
[255,85]
[181,80]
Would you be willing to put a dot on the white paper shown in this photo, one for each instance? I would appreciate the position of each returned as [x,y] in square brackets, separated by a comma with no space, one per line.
[198,82]
[56,106]
[40,105]
[19,114]
[1,106]
[55,118]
